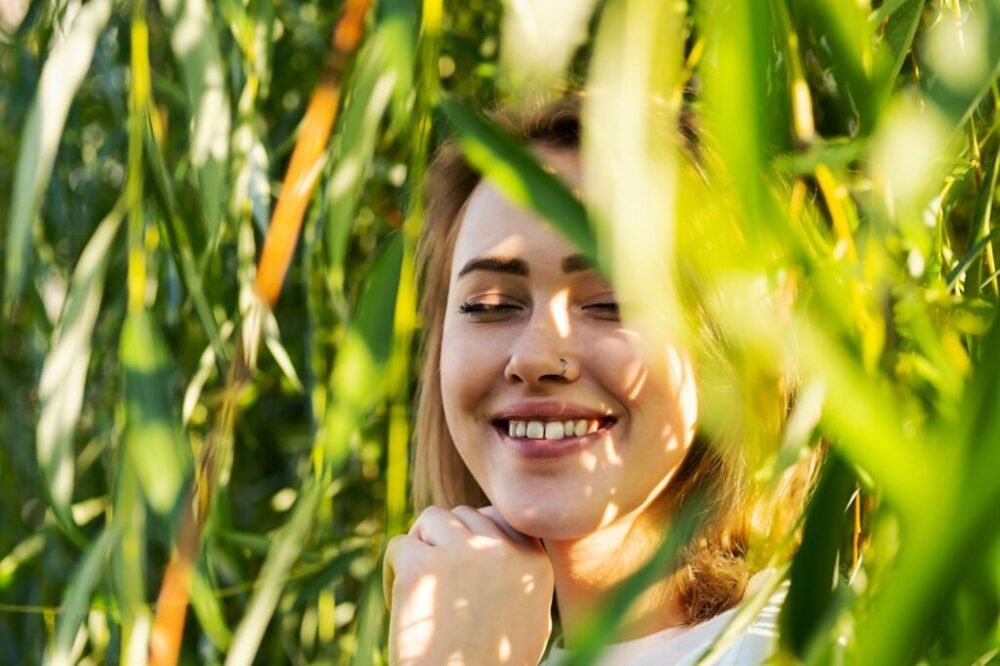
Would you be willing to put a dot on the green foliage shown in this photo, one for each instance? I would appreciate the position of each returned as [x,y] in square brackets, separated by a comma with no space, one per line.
[852,155]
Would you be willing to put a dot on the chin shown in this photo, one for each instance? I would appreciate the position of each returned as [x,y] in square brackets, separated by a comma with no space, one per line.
[549,522]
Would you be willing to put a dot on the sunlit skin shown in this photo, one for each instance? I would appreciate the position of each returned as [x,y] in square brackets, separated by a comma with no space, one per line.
[533,332]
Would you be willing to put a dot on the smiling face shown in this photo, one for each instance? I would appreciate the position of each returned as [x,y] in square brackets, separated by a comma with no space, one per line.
[561,415]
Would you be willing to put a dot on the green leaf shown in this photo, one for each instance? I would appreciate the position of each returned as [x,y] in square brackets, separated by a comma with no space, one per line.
[897,40]
[357,384]
[358,380]
[602,626]
[62,74]
[64,373]
[76,601]
[153,443]
[284,551]
[814,568]
[192,37]
[371,622]
[517,174]
[385,70]
[207,608]
[179,242]
[738,98]
[841,44]
[962,61]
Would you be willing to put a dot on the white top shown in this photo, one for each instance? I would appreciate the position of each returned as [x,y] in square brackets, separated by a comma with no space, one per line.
[683,646]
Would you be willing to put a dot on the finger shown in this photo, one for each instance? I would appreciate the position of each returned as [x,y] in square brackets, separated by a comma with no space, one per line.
[400,552]
[437,526]
[518,537]
[478,523]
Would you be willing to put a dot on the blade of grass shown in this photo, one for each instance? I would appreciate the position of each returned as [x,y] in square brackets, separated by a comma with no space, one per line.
[845,48]
[64,373]
[192,37]
[384,71]
[983,270]
[276,256]
[153,441]
[519,176]
[814,568]
[180,244]
[128,564]
[749,610]
[602,627]
[76,601]
[631,159]
[209,611]
[371,621]
[62,75]
[737,100]
[357,384]
[896,43]
[959,97]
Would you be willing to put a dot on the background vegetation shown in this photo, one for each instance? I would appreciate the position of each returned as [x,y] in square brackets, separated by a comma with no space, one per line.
[179,442]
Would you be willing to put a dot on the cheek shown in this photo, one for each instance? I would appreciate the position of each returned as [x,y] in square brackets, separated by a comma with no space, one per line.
[659,389]
[468,368]
[617,364]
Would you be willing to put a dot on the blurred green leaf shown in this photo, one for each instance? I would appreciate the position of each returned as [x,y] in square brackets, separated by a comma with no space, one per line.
[64,374]
[62,75]
[841,42]
[962,60]
[209,611]
[153,441]
[897,39]
[384,71]
[76,603]
[356,385]
[814,569]
[196,48]
[519,176]
[602,626]
[358,380]
[178,240]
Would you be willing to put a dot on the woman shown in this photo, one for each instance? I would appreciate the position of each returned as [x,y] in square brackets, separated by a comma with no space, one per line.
[552,446]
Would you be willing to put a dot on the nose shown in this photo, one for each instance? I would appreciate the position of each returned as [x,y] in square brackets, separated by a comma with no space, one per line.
[545,350]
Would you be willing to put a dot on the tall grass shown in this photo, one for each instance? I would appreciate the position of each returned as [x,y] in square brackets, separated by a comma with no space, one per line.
[209,212]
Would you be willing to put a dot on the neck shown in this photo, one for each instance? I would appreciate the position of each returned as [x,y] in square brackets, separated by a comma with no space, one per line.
[589,569]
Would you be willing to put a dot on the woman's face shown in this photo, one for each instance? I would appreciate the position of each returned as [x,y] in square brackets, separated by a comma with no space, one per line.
[562,416]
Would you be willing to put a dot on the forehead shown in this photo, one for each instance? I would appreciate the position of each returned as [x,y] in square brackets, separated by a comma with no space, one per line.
[492,225]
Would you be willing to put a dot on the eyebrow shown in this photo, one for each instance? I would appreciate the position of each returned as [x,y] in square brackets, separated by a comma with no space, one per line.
[574,263]
[495,265]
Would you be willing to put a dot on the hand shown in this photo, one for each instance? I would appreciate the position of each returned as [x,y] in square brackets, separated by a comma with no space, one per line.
[463,587]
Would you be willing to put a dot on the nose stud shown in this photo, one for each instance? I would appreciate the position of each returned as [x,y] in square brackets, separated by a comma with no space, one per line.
[565,367]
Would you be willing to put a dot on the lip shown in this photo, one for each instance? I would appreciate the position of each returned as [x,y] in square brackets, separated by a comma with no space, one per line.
[549,409]
[536,449]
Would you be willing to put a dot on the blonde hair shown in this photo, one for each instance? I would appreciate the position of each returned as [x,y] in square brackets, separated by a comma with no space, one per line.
[717,566]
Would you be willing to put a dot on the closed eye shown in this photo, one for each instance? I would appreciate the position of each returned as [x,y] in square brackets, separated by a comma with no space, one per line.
[474,308]
[607,310]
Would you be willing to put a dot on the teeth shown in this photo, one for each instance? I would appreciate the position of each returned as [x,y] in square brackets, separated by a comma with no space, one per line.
[552,429]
